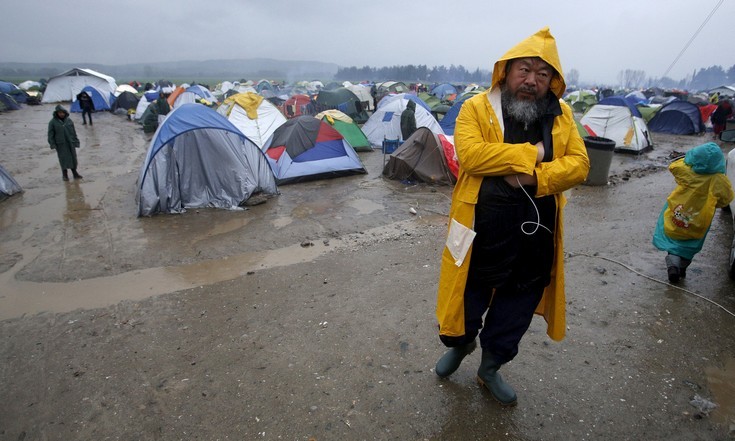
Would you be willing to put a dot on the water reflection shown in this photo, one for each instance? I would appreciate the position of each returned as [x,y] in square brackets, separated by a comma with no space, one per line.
[77,208]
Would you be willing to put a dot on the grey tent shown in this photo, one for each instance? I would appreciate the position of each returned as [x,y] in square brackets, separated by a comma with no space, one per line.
[198,158]
[8,185]
[420,158]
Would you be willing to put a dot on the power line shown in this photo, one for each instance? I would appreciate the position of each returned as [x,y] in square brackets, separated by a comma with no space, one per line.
[686,46]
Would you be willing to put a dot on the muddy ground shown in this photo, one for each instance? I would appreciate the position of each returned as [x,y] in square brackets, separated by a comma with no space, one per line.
[312,316]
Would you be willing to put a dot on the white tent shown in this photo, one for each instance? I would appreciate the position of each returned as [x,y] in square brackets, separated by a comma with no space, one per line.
[66,86]
[363,94]
[125,88]
[192,93]
[259,129]
[723,91]
[385,123]
[619,124]
[25,85]
[142,106]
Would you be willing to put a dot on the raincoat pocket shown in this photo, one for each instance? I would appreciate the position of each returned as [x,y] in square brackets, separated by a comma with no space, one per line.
[459,240]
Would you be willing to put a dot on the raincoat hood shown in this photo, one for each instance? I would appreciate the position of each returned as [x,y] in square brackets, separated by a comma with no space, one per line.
[59,107]
[411,105]
[541,44]
[706,159]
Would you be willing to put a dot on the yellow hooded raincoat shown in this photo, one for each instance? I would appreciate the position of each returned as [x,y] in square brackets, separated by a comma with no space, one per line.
[481,152]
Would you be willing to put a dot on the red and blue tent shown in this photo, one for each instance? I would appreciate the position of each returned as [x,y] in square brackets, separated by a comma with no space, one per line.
[306,148]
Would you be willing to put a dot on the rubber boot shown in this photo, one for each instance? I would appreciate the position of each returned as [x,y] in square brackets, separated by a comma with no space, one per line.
[674,274]
[488,377]
[64,175]
[453,358]
[76,175]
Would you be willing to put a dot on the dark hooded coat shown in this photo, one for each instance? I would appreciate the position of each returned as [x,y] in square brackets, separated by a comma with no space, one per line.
[85,101]
[62,137]
[408,120]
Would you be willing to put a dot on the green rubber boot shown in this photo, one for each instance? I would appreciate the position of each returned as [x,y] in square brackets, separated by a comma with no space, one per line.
[453,358]
[488,377]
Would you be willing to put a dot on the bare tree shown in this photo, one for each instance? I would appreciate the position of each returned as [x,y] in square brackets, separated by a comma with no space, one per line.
[631,79]
[572,77]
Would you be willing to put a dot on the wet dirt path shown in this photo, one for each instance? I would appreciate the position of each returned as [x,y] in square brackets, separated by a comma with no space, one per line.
[312,315]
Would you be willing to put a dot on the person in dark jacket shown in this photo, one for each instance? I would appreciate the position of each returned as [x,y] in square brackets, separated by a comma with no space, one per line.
[720,116]
[62,137]
[162,105]
[408,120]
[87,106]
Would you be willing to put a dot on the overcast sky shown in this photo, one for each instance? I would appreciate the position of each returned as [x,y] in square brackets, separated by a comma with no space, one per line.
[598,38]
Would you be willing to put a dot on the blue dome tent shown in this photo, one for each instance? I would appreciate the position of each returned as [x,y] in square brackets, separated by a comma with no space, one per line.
[677,118]
[197,158]
[101,102]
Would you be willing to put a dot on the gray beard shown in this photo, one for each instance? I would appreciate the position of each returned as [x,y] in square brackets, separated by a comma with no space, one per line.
[523,111]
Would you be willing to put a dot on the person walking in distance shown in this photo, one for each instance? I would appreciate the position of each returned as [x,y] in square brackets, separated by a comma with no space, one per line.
[87,106]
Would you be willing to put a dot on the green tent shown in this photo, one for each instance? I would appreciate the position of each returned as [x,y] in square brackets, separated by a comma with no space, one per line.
[344,100]
[430,100]
[647,112]
[581,100]
[582,131]
[347,128]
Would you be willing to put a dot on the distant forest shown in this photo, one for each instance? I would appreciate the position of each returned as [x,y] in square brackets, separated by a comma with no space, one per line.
[700,79]
[291,71]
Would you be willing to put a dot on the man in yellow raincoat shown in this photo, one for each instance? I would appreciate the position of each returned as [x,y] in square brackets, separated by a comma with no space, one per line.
[518,149]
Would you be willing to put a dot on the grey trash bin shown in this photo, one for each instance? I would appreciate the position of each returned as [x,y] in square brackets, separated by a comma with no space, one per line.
[600,151]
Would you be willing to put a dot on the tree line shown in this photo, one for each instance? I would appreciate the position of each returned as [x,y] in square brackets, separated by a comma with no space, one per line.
[414,74]
[700,79]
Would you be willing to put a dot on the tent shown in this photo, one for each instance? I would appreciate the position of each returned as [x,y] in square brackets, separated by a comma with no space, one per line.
[26,85]
[445,92]
[199,159]
[343,100]
[636,97]
[101,100]
[648,111]
[617,100]
[581,100]
[125,88]
[450,118]
[724,91]
[430,100]
[363,94]
[390,87]
[8,185]
[66,86]
[298,105]
[678,118]
[423,157]
[253,115]
[385,122]
[7,102]
[125,101]
[619,124]
[192,94]
[403,96]
[347,128]
[142,107]
[19,95]
[707,111]
[306,148]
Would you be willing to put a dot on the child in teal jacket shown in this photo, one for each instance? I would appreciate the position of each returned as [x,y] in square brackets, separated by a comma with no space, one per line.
[702,187]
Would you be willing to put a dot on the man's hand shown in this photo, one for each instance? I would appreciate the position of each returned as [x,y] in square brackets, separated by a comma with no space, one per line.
[540,153]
